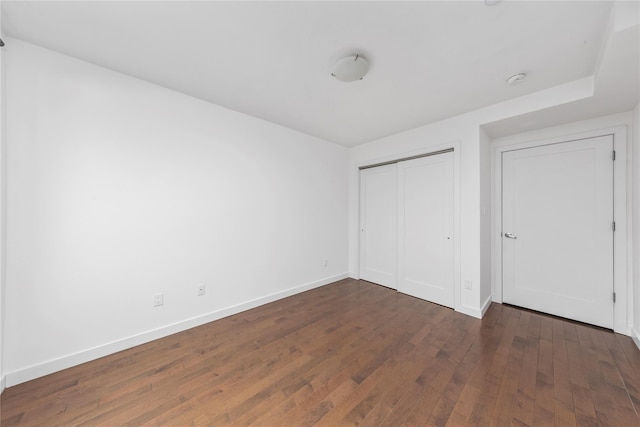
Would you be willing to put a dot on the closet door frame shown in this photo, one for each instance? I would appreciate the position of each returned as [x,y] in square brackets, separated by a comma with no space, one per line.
[455,145]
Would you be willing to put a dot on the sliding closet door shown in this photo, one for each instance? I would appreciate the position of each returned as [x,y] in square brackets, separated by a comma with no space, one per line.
[378,225]
[425,228]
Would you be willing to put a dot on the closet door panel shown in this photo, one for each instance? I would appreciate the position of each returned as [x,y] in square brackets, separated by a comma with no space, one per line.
[378,225]
[425,227]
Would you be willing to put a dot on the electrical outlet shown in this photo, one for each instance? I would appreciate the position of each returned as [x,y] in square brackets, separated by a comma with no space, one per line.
[325,262]
[468,284]
[158,300]
[200,289]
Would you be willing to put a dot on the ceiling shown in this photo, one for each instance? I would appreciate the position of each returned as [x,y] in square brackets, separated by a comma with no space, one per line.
[616,89]
[272,60]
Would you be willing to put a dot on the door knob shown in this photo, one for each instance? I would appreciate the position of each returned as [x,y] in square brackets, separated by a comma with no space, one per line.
[509,236]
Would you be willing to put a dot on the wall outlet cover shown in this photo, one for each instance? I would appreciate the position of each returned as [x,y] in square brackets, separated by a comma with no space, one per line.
[158,300]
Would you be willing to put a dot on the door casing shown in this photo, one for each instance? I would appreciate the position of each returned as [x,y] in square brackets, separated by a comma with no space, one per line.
[455,145]
[622,286]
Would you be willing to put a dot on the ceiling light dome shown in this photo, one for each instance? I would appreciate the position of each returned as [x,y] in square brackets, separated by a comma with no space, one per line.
[351,68]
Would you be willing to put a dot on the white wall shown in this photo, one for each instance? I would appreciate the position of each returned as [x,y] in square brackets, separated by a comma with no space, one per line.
[3,205]
[485,218]
[120,189]
[635,153]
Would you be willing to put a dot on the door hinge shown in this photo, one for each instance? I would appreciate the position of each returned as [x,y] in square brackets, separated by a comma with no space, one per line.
[613,155]
[614,297]
[613,226]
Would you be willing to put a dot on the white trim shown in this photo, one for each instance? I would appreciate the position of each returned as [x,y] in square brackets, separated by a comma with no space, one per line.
[622,285]
[42,369]
[472,311]
[3,383]
[469,311]
[635,336]
[485,305]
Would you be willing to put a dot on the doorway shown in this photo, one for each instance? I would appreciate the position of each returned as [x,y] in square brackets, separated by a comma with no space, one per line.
[558,227]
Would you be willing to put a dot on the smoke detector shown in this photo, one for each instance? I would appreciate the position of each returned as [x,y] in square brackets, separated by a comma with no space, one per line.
[516,78]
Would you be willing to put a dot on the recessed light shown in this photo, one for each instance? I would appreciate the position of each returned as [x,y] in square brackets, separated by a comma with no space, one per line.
[491,2]
[516,78]
[351,68]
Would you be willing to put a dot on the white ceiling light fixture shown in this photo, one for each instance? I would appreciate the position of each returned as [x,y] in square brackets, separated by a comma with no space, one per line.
[491,2]
[351,68]
[516,78]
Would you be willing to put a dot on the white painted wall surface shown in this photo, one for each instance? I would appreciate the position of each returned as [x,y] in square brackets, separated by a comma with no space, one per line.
[485,219]
[120,189]
[635,167]
[3,206]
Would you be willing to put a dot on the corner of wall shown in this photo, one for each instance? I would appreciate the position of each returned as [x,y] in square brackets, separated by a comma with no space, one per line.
[487,304]
[478,313]
[486,215]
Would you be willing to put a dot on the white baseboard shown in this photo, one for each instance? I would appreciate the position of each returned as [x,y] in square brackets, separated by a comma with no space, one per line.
[485,305]
[49,367]
[3,383]
[474,312]
[636,337]
[469,311]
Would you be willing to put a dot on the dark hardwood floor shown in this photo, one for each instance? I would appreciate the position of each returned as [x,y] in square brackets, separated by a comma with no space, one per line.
[351,353]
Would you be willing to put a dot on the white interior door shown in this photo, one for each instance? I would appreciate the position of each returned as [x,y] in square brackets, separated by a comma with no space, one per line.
[425,228]
[378,225]
[557,213]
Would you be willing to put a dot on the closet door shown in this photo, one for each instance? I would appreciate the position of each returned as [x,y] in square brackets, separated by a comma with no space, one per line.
[378,225]
[425,228]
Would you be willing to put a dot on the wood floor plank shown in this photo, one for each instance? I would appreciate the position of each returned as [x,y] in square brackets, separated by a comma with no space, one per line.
[562,383]
[481,413]
[350,353]
[543,403]
[421,410]
[564,415]
[505,406]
